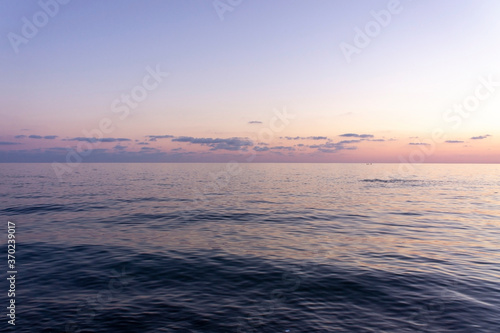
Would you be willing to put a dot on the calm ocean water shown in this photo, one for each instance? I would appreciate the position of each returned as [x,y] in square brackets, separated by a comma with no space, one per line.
[263,248]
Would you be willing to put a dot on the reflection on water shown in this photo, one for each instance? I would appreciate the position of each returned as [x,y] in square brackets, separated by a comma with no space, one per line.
[275,247]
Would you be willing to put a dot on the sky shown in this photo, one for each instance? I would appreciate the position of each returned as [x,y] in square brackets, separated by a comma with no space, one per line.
[250,81]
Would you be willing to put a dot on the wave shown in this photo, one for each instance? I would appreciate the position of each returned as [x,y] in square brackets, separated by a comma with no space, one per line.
[103,289]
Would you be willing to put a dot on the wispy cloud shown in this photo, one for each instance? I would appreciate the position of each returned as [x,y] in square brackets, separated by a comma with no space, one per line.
[481,137]
[419,144]
[150,150]
[227,146]
[217,143]
[56,149]
[156,137]
[283,148]
[335,147]
[345,142]
[58,154]
[47,137]
[454,141]
[304,137]
[120,147]
[257,148]
[93,140]
[255,122]
[353,135]
[7,143]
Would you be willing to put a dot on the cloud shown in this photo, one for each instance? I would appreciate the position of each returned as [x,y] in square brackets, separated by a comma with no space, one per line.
[93,140]
[481,137]
[58,154]
[217,143]
[304,138]
[184,139]
[55,149]
[119,147]
[334,147]
[226,146]
[114,140]
[150,150]
[143,143]
[335,150]
[345,142]
[47,137]
[7,143]
[257,148]
[419,144]
[454,141]
[283,148]
[156,137]
[255,122]
[353,135]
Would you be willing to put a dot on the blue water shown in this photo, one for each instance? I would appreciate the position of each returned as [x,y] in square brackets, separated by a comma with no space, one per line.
[260,248]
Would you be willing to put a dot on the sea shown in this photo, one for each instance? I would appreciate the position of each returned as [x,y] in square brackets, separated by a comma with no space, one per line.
[253,247]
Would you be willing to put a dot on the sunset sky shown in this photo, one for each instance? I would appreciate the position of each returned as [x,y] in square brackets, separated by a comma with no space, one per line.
[251,80]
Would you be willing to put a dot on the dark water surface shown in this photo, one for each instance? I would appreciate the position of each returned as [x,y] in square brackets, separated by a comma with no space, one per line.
[261,248]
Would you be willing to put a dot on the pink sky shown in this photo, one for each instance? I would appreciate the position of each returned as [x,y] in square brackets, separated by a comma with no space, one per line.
[222,88]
